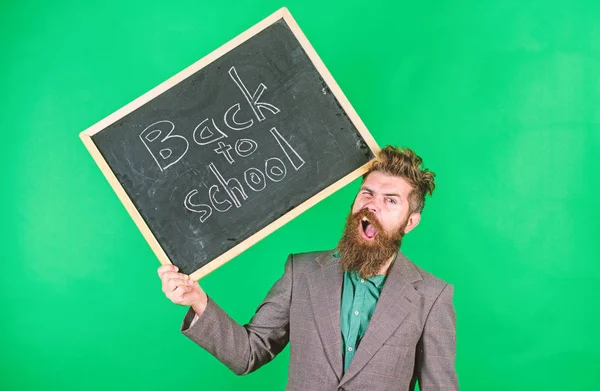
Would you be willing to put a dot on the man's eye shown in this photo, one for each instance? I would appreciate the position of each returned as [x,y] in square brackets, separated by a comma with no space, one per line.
[391,200]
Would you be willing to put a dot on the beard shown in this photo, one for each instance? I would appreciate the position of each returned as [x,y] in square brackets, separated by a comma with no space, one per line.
[367,257]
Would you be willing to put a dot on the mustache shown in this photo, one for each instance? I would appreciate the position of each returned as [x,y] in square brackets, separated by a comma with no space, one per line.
[370,216]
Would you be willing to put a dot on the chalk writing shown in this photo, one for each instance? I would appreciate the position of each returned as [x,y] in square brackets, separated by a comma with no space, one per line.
[225,193]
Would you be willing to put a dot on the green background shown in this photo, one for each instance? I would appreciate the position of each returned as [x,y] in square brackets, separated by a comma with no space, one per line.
[500,98]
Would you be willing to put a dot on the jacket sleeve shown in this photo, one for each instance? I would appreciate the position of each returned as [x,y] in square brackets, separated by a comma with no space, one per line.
[244,349]
[436,351]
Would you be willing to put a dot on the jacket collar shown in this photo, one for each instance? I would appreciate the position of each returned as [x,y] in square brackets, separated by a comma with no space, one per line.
[398,298]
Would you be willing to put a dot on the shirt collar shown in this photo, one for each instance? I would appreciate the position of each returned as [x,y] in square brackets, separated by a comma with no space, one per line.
[377,280]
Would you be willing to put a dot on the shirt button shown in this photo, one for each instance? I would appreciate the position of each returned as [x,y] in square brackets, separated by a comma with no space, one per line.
[350,349]
[355,312]
[362,280]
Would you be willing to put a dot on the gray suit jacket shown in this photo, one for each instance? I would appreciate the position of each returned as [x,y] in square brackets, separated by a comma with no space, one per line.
[411,334]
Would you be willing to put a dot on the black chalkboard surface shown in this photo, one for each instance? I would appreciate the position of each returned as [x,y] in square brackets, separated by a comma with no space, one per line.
[233,147]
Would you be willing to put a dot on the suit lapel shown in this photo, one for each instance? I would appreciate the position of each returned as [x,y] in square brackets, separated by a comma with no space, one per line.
[325,286]
[395,303]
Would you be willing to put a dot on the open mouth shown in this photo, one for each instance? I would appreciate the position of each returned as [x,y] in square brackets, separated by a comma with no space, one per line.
[367,230]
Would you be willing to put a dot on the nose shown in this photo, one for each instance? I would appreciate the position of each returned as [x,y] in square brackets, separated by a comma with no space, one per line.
[372,205]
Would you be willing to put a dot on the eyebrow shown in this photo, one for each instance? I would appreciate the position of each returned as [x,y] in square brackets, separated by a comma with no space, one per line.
[387,195]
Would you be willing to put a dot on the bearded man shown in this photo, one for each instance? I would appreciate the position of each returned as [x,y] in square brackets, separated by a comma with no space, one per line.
[359,317]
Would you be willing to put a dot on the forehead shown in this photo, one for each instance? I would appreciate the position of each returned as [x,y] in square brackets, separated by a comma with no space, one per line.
[389,184]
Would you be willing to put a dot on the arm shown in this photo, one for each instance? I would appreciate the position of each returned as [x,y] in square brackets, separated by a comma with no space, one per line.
[436,351]
[244,349]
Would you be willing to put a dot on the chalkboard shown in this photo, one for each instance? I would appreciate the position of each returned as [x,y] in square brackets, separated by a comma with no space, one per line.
[233,147]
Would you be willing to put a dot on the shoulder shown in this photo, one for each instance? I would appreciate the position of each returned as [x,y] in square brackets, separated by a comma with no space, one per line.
[309,261]
[430,285]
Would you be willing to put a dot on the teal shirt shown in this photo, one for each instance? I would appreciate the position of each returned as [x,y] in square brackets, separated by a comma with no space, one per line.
[359,298]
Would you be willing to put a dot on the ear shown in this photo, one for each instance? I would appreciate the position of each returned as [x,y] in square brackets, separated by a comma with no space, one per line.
[413,221]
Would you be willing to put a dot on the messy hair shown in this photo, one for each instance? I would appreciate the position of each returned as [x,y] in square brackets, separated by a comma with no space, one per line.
[404,163]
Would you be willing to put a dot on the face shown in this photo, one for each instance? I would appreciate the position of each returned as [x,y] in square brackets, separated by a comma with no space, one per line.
[379,219]
[387,197]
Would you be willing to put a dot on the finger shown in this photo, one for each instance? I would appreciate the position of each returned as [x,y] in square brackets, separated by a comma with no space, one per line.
[167,268]
[179,293]
[173,283]
[170,275]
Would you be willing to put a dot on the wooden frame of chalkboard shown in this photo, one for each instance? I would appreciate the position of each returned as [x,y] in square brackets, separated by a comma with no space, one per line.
[93,138]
